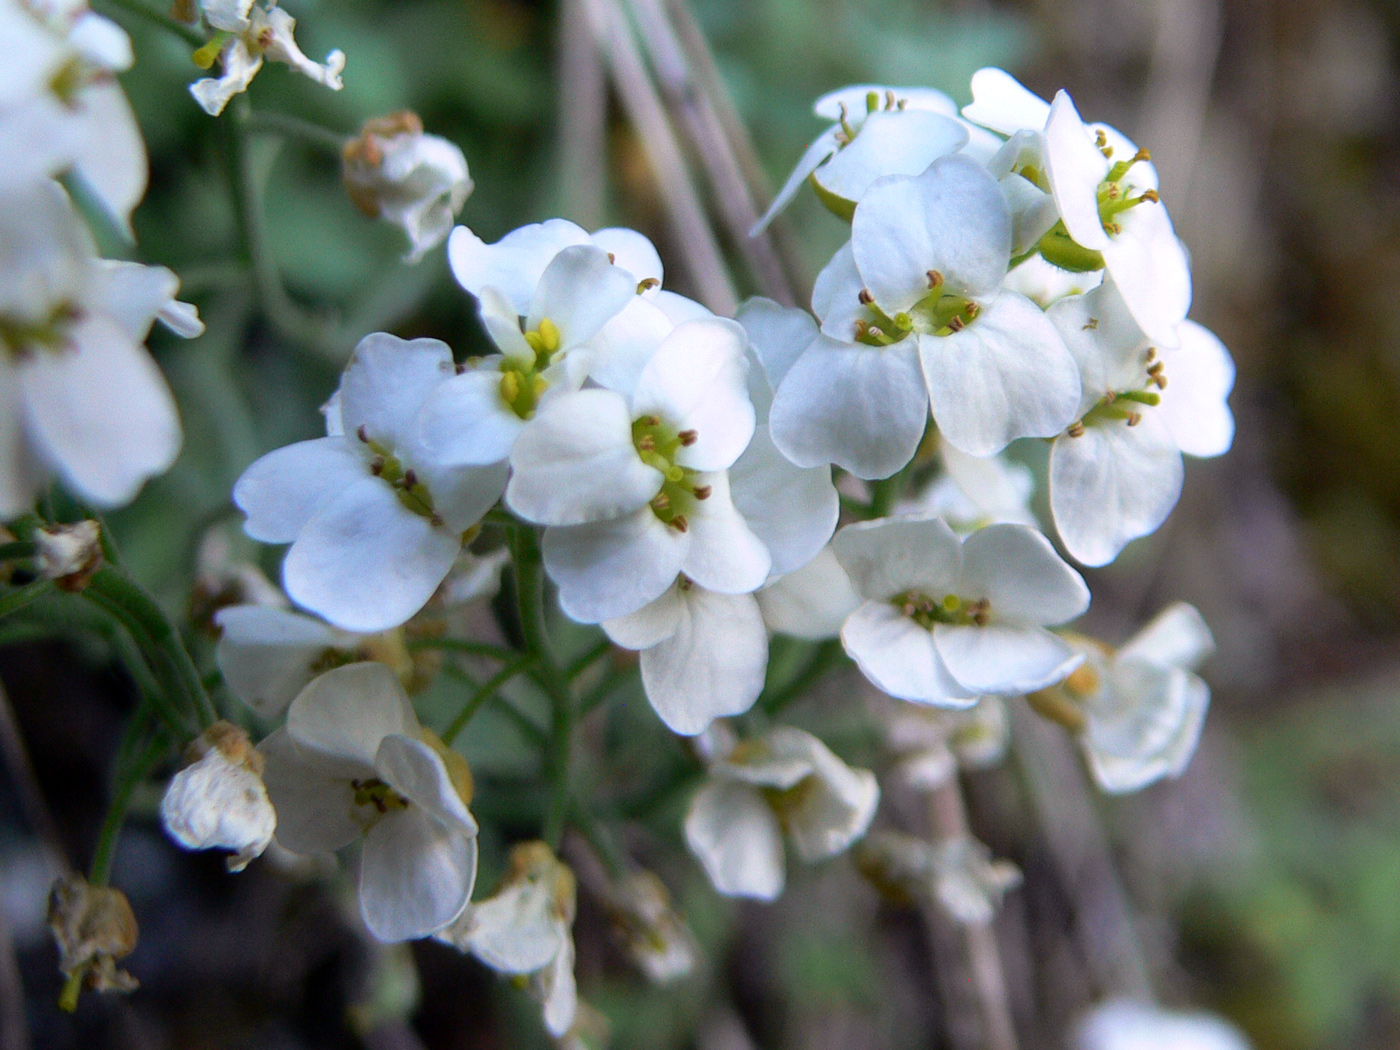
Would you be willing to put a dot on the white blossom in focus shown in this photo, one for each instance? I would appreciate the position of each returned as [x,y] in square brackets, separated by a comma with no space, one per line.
[1116,473]
[946,620]
[526,928]
[352,762]
[80,398]
[375,517]
[252,34]
[218,801]
[787,782]
[812,602]
[1123,1024]
[393,171]
[877,131]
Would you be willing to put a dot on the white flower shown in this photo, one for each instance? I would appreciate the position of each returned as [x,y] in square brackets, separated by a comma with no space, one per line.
[375,517]
[267,655]
[1105,193]
[419,182]
[934,743]
[353,761]
[255,34]
[635,488]
[924,269]
[218,801]
[957,873]
[1116,474]
[787,781]
[650,930]
[1139,710]
[704,654]
[812,602]
[79,396]
[475,418]
[946,620]
[1121,1024]
[61,107]
[878,131]
[526,928]
[974,491]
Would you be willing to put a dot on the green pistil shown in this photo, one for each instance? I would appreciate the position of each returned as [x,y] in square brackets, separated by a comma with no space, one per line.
[412,493]
[522,385]
[658,444]
[937,313]
[377,794]
[951,609]
[1119,407]
[1059,249]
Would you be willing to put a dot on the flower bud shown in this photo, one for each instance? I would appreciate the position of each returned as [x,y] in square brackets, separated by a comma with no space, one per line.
[69,554]
[218,801]
[650,931]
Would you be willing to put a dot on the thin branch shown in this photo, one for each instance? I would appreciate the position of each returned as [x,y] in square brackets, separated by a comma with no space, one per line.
[484,693]
[266,122]
[26,784]
[583,118]
[701,121]
[694,238]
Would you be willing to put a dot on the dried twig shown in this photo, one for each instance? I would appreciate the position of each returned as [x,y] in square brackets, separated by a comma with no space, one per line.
[583,112]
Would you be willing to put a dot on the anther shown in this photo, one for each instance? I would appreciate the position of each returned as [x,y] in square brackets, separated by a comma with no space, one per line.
[362,433]
[872,102]
[646,443]
[612,258]
[459,368]
[956,324]
[889,99]
[1155,367]
[660,501]
[902,103]
[1100,139]
[1150,195]
[688,437]
[862,329]
[1090,325]
[1075,430]
[934,278]
[1141,154]
[649,421]
[1151,353]
[647,284]
[409,478]
[1110,397]
[1134,418]
[865,297]
[1113,228]
[376,465]
[972,310]
[875,332]
[702,491]
[679,523]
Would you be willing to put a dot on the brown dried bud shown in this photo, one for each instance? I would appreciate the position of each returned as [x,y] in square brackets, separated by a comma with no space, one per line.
[94,927]
[69,554]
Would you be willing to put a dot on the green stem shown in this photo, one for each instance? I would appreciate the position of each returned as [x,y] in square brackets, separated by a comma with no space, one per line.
[461,645]
[529,596]
[266,123]
[589,658]
[614,860]
[484,693]
[13,601]
[604,689]
[826,656]
[522,721]
[189,33]
[127,783]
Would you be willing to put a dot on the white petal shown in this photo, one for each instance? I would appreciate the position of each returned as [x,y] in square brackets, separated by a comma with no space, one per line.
[282,490]
[339,720]
[712,666]
[517,930]
[812,158]
[515,262]
[315,811]
[239,67]
[580,290]
[899,658]
[1200,375]
[558,992]
[280,46]
[416,875]
[890,142]
[266,654]
[417,772]
[218,804]
[1033,212]
[1154,731]
[678,308]
[1000,102]
[1007,375]
[998,488]
[1124,1025]
[1003,658]
[365,562]
[723,554]
[698,380]
[1150,266]
[792,509]
[1105,341]
[1018,571]
[609,569]
[836,296]
[100,413]
[863,408]
[649,625]
[386,383]
[1178,636]
[812,602]
[632,251]
[111,154]
[737,840]
[952,219]
[889,556]
[826,818]
[462,495]
[1075,168]
[575,463]
[1111,485]
[777,335]
[466,421]
[626,343]
[502,324]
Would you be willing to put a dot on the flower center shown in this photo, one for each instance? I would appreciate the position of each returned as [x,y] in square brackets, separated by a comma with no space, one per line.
[376,795]
[1116,195]
[927,611]
[1125,406]
[521,382]
[388,467]
[939,313]
[21,335]
[657,443]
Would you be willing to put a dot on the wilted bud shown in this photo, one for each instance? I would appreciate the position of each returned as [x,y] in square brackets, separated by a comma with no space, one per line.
[69,554]
[94,927]
[218,801]
[959,874]
[395,172]
[649,928]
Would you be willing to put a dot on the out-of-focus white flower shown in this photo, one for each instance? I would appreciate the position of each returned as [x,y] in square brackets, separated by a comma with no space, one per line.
[526,928]
[1122,1024]
[351,762]
[61,107]
[1116,474]
[946,620]
[785,782]
[1139,710]
[219,801]
[267,655]
[934,743]
[878,131]
[975,491]
[651,932]
[925,264]
[395,172]
[959,873]
[79,396]
[375,517]
[249,35]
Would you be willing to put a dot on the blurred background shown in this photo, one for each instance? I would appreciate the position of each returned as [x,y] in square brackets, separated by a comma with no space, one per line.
[1264,884]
